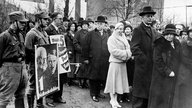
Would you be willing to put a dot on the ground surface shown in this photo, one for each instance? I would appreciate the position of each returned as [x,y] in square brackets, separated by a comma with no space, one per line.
[80,98]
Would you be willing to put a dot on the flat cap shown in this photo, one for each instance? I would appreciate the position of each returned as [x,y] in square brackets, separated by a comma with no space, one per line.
[17,16]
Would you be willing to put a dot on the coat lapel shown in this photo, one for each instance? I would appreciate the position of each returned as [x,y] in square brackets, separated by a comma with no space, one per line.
[54,30]
[146,30]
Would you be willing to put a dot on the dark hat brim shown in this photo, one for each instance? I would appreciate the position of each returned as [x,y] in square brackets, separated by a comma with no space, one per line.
[144,13]
[90,21]
[169,32]
[102,21]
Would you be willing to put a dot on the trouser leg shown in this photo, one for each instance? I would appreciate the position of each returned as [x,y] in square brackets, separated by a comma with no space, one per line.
[20,93]
[3,106]
[19,102]
[93,88]
[138,102]
[30,100]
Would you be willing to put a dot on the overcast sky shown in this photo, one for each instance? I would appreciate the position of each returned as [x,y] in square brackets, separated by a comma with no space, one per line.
[175,9]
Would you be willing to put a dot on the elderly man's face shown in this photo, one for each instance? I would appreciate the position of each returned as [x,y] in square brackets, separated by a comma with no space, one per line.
[100,25]
[52,62]
[148,18]
[42,61]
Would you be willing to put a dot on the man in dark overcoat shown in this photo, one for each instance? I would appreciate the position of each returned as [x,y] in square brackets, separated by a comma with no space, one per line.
[141,47]
[96,54]
[53,29]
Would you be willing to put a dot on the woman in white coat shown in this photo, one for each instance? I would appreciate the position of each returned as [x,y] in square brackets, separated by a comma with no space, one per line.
[117,81]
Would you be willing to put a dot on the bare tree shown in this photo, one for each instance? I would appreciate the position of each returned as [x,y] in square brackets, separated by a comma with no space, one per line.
[51,6]
[5,9]
[123,9]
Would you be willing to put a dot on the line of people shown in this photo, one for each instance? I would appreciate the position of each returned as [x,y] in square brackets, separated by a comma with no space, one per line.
[149,68]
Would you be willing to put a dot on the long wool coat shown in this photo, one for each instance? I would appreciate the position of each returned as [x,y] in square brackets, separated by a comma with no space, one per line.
[183,92]
[83,70]
[166,59]
[141,47]
[97,53]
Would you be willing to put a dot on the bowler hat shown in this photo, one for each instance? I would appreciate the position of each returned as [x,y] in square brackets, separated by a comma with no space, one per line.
[41,15]
[170,29]
[101,19]
[17,16]
[147,10]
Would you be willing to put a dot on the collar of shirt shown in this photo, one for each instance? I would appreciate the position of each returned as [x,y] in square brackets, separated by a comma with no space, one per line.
[172,44]
[55,26]
[146,24]
[101,32]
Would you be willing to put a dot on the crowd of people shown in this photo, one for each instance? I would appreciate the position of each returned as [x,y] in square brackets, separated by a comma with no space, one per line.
[147,65]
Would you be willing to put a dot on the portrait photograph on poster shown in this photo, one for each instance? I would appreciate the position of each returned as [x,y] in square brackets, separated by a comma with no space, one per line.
[64,64]
[46,69]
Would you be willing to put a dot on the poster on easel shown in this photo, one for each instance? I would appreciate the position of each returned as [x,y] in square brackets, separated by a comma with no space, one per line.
[64,64]
[46,69]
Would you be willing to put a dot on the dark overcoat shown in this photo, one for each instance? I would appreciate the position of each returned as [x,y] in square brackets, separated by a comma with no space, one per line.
[183,92]
[166,59]
[141,47]
[72,48]
[96,51]
[83,70]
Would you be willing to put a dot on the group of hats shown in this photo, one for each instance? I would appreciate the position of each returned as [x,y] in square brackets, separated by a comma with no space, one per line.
[81,21]
[19,16]
[169,28]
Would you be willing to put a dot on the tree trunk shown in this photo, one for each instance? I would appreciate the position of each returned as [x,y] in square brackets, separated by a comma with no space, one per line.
[51,6]
[66,9]
[77,9]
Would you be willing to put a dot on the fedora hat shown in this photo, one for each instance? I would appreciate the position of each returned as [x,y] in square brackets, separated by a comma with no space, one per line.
[17,16]
[170,29]
[147,10]
[101,19]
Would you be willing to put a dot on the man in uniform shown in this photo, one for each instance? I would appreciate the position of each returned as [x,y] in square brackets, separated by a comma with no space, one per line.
[12,73]
[35,36]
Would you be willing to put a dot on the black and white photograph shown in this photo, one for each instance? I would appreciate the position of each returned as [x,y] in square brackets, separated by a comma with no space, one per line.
[46,69]
[95,53]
